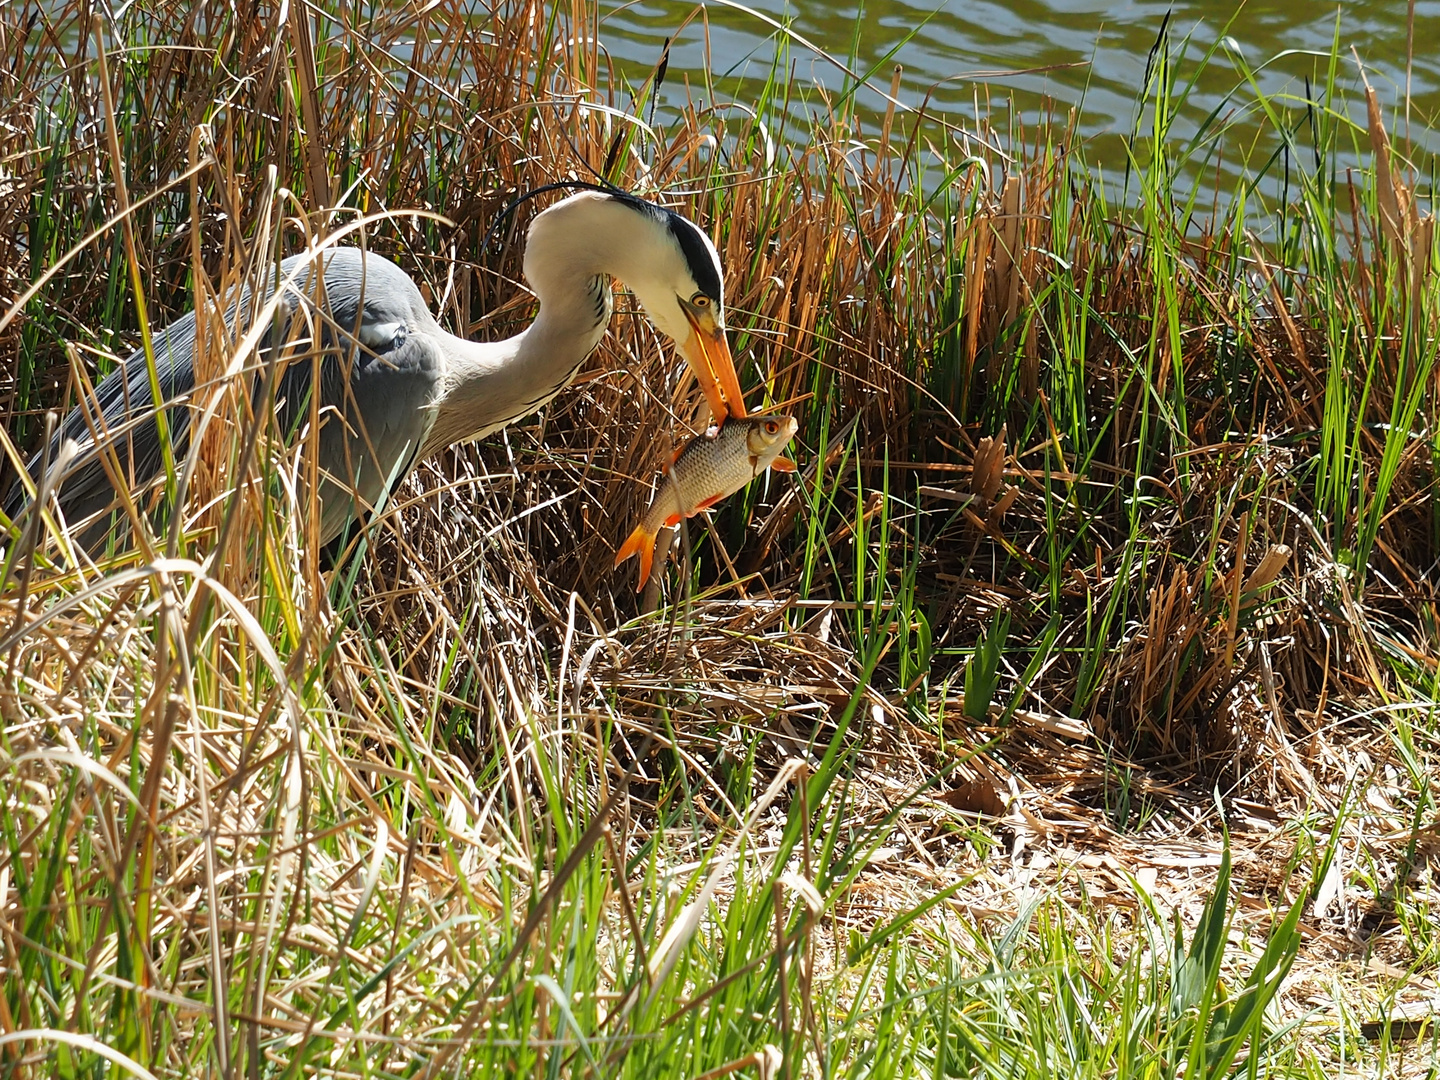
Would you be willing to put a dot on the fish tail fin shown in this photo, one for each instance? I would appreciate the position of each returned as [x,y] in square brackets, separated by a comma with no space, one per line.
[640,542]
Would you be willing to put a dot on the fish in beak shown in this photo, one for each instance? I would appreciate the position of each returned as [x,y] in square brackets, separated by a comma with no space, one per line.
[708,354]
[705,470]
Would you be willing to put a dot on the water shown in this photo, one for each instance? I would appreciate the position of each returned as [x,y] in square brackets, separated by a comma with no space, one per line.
[1061,52]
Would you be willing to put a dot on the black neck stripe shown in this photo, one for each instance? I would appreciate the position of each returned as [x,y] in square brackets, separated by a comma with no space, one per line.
[697,255]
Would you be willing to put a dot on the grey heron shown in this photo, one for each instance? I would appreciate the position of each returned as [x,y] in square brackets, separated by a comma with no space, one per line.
[393,386]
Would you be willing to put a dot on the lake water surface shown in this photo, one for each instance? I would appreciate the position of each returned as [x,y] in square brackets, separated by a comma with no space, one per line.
[1024,54]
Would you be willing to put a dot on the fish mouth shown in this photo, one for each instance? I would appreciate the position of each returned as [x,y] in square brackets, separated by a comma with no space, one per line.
[708,354]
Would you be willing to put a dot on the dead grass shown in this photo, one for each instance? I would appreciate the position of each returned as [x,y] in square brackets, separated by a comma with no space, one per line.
[1178,463]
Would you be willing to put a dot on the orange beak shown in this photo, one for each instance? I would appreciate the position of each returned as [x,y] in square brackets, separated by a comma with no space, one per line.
[708,354]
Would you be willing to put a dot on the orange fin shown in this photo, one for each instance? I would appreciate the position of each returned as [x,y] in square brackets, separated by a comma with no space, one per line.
[640,543]
[673,520]
[783,464]
[705,504]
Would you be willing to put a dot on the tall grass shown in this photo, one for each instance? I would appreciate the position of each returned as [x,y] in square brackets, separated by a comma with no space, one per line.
[1113,529]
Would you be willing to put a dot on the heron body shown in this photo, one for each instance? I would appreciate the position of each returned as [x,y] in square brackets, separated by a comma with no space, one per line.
[391,385]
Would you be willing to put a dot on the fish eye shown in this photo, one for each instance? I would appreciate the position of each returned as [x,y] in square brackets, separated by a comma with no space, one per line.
[771,427]
[700,300]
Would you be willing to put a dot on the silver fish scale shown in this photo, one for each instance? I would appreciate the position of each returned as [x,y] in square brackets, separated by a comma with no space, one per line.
[706,468]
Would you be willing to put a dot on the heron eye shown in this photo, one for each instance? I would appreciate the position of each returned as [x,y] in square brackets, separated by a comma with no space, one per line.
[700,300]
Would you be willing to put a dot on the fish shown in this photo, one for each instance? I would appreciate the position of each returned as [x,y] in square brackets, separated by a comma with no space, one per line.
[705,470]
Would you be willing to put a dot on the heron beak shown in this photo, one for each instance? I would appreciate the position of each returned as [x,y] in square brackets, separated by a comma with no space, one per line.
[708,354]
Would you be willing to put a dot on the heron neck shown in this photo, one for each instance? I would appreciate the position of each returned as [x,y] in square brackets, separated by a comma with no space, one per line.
[489,384]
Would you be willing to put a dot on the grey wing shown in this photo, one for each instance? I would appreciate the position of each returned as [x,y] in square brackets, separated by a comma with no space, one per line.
[375,365]
[379,371]
[126,421]
[376,406]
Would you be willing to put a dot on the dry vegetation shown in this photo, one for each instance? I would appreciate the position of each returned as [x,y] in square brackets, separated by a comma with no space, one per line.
[1114,529]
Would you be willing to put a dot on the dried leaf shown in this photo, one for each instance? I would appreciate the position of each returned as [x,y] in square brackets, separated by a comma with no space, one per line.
[977,796]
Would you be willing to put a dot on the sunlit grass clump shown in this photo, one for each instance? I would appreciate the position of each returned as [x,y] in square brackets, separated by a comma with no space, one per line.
[1069,713]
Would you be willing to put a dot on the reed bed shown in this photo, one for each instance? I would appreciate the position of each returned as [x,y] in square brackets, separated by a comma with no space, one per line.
[1070,712]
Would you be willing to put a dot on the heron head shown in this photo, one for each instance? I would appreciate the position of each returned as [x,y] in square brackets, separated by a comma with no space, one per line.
[674,271]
